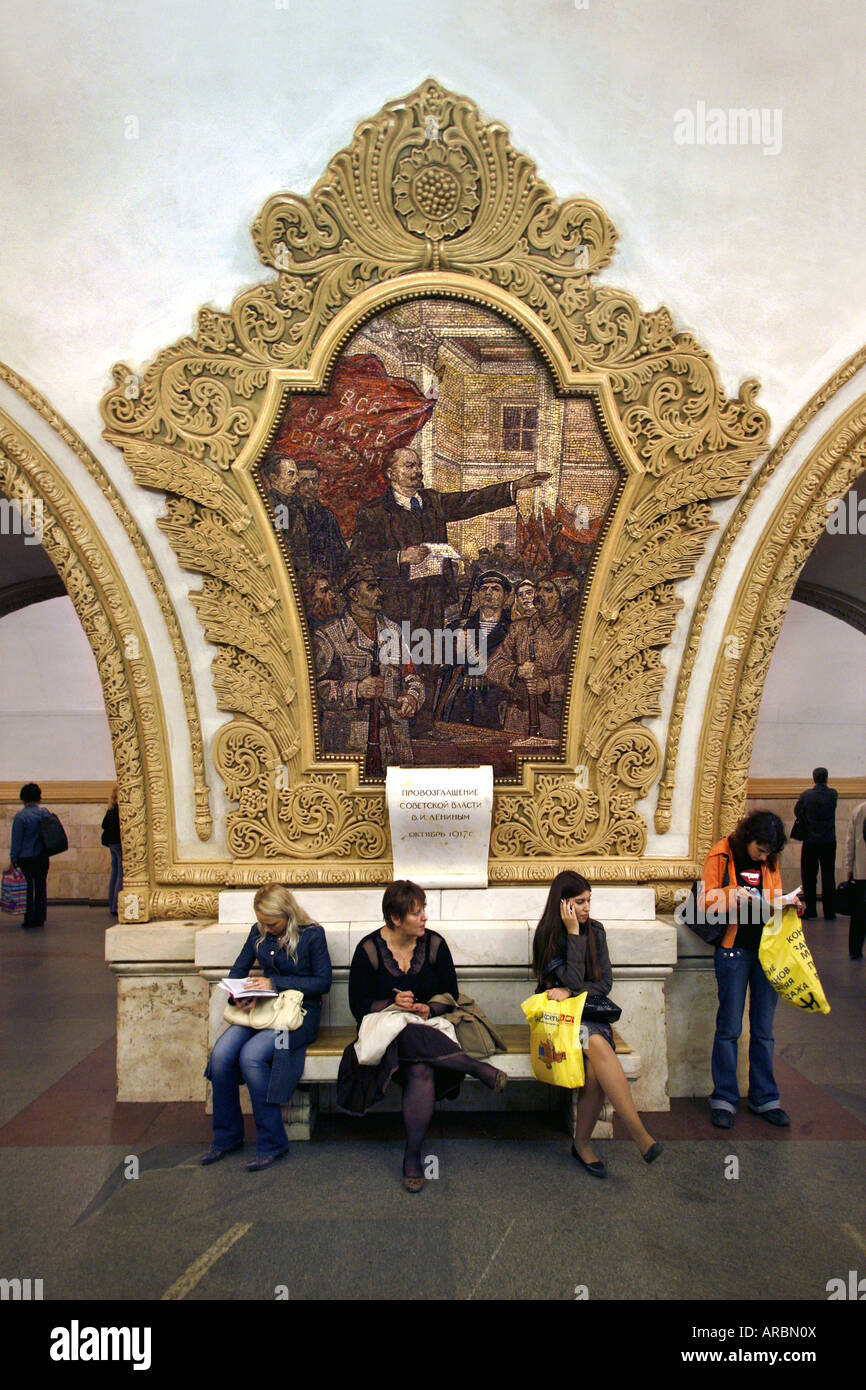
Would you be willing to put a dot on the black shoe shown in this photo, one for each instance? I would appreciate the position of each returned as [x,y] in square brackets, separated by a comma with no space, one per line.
[264,1161]
[809,917]
[653,1152]
[831,918]
[722,1119]
[595,1170]
[855,957]
[214,1154]
[776,1116]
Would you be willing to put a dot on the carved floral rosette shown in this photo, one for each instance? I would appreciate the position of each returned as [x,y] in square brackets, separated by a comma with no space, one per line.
[431,199]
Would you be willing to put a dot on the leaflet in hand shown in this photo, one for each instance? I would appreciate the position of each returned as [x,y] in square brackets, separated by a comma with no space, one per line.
[241,989]
[432,564]
[791,899]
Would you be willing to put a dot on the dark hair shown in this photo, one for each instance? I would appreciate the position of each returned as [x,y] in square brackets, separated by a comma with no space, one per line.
[765,828]
[400,897]
[30,792]
[547,942]
[820,774]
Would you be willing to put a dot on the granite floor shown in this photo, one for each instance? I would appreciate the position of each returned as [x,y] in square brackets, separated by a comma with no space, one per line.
[753,1214]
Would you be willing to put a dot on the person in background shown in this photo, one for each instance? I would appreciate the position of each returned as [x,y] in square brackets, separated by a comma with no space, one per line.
[855,869]
[570,955]
[111,840]
[292,952]
[816,808]
[740,882]
[28,853]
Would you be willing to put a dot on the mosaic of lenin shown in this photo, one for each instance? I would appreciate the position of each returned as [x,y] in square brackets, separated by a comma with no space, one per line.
[440,506]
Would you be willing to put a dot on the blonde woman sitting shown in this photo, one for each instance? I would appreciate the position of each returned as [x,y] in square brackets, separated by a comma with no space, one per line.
[293,954]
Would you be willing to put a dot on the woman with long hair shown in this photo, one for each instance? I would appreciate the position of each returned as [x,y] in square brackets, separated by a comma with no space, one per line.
[740,885]
[569,955]
[293,954]
[403,966]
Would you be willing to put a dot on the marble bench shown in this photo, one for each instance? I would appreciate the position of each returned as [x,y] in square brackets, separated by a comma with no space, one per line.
[323,1060]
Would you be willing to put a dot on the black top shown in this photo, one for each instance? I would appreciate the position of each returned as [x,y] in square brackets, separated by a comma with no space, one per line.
[111,826]
[567,969]
[817,810]
[430,972]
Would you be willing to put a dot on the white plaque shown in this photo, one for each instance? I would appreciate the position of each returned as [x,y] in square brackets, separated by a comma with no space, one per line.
[440,824]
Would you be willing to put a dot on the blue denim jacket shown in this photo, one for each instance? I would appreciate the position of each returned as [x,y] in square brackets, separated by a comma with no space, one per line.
[26,837]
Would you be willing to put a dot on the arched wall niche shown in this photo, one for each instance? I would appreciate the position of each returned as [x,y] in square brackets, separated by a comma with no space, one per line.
[429,199]
[129,673]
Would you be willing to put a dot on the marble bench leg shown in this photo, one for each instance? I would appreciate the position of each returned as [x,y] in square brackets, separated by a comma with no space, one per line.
[604,1124]
[299,1116]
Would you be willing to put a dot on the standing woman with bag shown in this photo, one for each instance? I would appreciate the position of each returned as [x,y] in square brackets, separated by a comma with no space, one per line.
[570,955]
[293,954]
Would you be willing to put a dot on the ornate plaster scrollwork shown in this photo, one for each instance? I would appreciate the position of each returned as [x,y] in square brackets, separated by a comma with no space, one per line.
[430,199]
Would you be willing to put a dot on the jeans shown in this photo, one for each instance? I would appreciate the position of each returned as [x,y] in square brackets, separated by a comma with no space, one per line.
[246,1054]
[737,969]
[115,883]
[35,870]
[811,856]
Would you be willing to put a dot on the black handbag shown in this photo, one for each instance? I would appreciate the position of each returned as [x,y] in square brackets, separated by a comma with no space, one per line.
[798,829]
[599,1009]
[844,895]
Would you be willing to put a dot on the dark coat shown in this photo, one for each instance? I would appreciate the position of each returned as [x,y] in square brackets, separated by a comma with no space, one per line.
[383,528]
[463,698]
[817,810]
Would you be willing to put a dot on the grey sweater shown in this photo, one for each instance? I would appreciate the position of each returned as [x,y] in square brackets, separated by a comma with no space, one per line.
[568,968]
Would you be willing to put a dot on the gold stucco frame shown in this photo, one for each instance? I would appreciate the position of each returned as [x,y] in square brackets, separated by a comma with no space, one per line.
[368,236]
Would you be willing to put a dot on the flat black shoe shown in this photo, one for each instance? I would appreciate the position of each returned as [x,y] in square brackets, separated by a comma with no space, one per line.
[722,1119]
[214,1154]
[595,1170]
[777,1117]
[265,1161]
[653,1152]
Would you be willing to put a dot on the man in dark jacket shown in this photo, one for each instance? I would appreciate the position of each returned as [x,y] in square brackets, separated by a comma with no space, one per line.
[391,531]
[29,855]
[816,808]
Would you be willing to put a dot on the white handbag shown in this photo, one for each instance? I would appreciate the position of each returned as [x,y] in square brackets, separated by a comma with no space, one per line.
[284,1012]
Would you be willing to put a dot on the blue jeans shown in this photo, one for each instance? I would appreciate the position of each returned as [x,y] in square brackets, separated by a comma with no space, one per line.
[735,970]
[115,883]
[246,1055]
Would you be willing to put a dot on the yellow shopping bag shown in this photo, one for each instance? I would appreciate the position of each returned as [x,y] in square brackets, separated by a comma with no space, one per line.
[788,965]
[554,1039]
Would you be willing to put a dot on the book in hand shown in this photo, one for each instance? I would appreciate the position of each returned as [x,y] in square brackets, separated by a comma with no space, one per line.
[241,989]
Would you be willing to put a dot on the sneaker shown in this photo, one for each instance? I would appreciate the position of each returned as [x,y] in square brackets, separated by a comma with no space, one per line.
[722,1119]
[776,1116]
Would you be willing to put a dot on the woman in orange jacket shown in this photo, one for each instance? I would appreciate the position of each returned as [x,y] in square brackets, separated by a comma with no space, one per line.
[740,886]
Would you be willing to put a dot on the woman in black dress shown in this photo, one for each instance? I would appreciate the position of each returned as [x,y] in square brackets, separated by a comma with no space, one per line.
[405,965]
[569,955]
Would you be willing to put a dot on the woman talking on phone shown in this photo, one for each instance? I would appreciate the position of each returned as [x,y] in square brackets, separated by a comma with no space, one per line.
[569,955]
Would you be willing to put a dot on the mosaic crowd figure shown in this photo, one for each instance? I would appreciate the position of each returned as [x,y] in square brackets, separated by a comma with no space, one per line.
[464,695]
[531,666]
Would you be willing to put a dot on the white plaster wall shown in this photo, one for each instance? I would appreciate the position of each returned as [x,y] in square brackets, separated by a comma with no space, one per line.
[53,725]
[813,713]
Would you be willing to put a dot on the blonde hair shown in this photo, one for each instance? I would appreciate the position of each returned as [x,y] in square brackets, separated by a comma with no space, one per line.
[275,900]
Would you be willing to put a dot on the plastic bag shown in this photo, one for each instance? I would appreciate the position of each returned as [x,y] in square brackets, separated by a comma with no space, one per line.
[787,963]
[554,1039]
[13,896]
